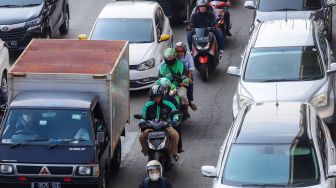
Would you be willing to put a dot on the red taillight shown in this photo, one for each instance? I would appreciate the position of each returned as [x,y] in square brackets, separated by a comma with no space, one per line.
[203,59]
[23,178]
[67,179]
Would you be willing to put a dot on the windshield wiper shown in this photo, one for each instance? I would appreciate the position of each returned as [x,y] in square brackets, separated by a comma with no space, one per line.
[264,185]
[30,5]
[279,80]
[10,6]
[286,9]
[28,140]
[62,142]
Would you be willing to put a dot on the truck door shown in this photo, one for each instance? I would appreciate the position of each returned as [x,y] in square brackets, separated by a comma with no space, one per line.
[100,127]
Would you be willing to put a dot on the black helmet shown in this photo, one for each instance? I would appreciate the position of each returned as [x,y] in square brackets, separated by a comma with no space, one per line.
[156,91]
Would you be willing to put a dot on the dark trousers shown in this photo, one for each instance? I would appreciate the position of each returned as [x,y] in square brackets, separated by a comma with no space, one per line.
[227,17]
[190,92]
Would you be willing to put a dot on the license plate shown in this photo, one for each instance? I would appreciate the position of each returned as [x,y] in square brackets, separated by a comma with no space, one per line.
[46,185]
[12,43]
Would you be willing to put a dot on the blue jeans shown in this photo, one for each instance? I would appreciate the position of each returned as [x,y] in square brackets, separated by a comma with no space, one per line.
[218,35]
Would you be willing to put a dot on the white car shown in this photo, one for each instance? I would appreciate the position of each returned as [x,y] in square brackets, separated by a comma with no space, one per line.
[271,144]
[4,67]
[148,30]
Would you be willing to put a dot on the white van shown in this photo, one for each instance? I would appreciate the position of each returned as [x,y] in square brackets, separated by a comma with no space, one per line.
[4,67]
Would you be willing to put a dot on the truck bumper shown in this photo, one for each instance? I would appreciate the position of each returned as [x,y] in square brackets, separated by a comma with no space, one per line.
[75,182]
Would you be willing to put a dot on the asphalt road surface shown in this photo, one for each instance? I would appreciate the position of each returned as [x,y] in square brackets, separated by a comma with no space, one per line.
[204,133]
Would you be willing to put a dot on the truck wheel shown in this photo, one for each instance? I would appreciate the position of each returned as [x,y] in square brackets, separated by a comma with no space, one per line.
[64,29]
[116,160]
[204,70]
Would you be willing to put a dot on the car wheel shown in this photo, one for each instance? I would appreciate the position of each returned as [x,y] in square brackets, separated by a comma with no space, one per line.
[116,160]
[64,29]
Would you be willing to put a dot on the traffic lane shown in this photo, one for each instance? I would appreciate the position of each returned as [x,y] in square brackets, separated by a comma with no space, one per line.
[204,133]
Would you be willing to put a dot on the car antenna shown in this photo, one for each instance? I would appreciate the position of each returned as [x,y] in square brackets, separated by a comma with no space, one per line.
[276,96]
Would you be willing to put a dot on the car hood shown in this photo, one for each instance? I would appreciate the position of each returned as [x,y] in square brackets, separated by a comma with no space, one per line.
[301,91]
[280,15]
[10,16]
[42,154]
[140,52]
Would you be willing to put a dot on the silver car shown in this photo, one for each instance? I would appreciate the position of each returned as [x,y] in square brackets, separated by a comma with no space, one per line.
[287,60]
[292,9]
[271,144]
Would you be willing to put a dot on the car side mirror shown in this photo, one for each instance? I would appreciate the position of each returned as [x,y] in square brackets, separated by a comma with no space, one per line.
[82,37]
[331,3]
[209,171]
[164,37]
[101,137]
[249,5]
[233,71]
[332,68]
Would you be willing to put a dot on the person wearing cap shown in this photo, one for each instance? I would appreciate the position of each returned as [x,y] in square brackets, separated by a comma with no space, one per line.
[154,177]
[185,56]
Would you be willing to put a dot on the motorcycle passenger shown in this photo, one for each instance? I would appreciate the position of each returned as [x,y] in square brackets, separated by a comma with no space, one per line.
[154,177]
[205,17]
[174,70]
[185,56]
[227,16]
[153,111]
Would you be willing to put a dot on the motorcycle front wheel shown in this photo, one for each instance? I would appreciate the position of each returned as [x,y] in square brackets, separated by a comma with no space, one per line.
[204,70]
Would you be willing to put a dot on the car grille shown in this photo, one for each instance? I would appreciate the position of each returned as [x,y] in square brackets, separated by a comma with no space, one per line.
[54,170]
[28,169]
[12,35]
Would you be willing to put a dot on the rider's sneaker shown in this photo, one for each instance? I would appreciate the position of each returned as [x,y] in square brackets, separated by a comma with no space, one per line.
[220,54]
[227,33]
[176,157]
[193,106]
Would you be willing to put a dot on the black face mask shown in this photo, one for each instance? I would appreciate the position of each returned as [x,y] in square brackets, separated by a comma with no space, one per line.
[170,62]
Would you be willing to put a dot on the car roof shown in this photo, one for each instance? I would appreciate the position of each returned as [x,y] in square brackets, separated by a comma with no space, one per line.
[129,9]
[282,33]
[54,100]
[270,123]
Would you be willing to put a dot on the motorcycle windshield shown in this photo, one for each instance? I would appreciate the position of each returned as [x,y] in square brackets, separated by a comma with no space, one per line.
[201,36]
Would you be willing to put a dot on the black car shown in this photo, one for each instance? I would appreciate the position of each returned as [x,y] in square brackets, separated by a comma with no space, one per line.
[292,9]
[22,20]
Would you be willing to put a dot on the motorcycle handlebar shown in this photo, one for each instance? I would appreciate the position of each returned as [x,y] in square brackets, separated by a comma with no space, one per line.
[156,126]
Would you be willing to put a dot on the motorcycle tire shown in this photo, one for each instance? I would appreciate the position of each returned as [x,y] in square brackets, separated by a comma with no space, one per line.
[204,70]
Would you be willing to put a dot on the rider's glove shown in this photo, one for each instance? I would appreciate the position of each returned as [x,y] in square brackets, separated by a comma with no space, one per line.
[173,123]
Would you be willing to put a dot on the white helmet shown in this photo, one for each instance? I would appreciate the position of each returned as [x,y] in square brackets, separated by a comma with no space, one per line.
[154,165]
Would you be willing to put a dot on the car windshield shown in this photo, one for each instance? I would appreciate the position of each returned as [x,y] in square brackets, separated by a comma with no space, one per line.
[284,64]
[19,2]
[133,30]
[40,126]
[271,164]
[283,5]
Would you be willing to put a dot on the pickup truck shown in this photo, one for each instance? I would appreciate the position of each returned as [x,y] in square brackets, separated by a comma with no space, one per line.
[68,107]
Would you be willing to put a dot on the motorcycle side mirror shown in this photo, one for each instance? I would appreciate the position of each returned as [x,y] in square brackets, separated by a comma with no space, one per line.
[249,5]
[137,116]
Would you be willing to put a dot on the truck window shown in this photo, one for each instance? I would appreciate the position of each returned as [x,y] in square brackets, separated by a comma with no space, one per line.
[45,126]
[98,119]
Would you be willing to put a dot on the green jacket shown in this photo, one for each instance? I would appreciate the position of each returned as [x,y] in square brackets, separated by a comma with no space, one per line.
[153,111]
[174,73]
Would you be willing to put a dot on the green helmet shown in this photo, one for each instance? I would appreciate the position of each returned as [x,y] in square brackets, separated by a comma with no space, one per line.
[169,54]
[164,82]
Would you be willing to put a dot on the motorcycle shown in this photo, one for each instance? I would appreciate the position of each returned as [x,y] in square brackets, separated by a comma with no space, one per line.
[219,11]
[158,141]
[205,51]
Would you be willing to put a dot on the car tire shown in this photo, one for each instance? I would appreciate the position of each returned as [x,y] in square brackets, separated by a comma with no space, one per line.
[116,160]
[64,29]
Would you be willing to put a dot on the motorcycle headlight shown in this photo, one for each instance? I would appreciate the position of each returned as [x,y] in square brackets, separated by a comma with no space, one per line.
[243,100]
[146,65]
[150,145]
[84,170]
[34,22]
[319,100]
[6,169]
[163,143]
[206,47]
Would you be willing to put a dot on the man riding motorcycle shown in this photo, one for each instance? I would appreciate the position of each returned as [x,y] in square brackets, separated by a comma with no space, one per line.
[227,16]
[185,56]
[205,17]
[153,111]
[174,70]
[154,177]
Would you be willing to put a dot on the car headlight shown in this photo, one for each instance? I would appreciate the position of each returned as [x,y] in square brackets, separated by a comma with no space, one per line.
[6,169]
[243,100]
[84,170]
[319,100]
[34,24]
[146,65]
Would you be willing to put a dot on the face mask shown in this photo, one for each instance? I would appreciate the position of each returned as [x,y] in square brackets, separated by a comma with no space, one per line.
[154,176]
